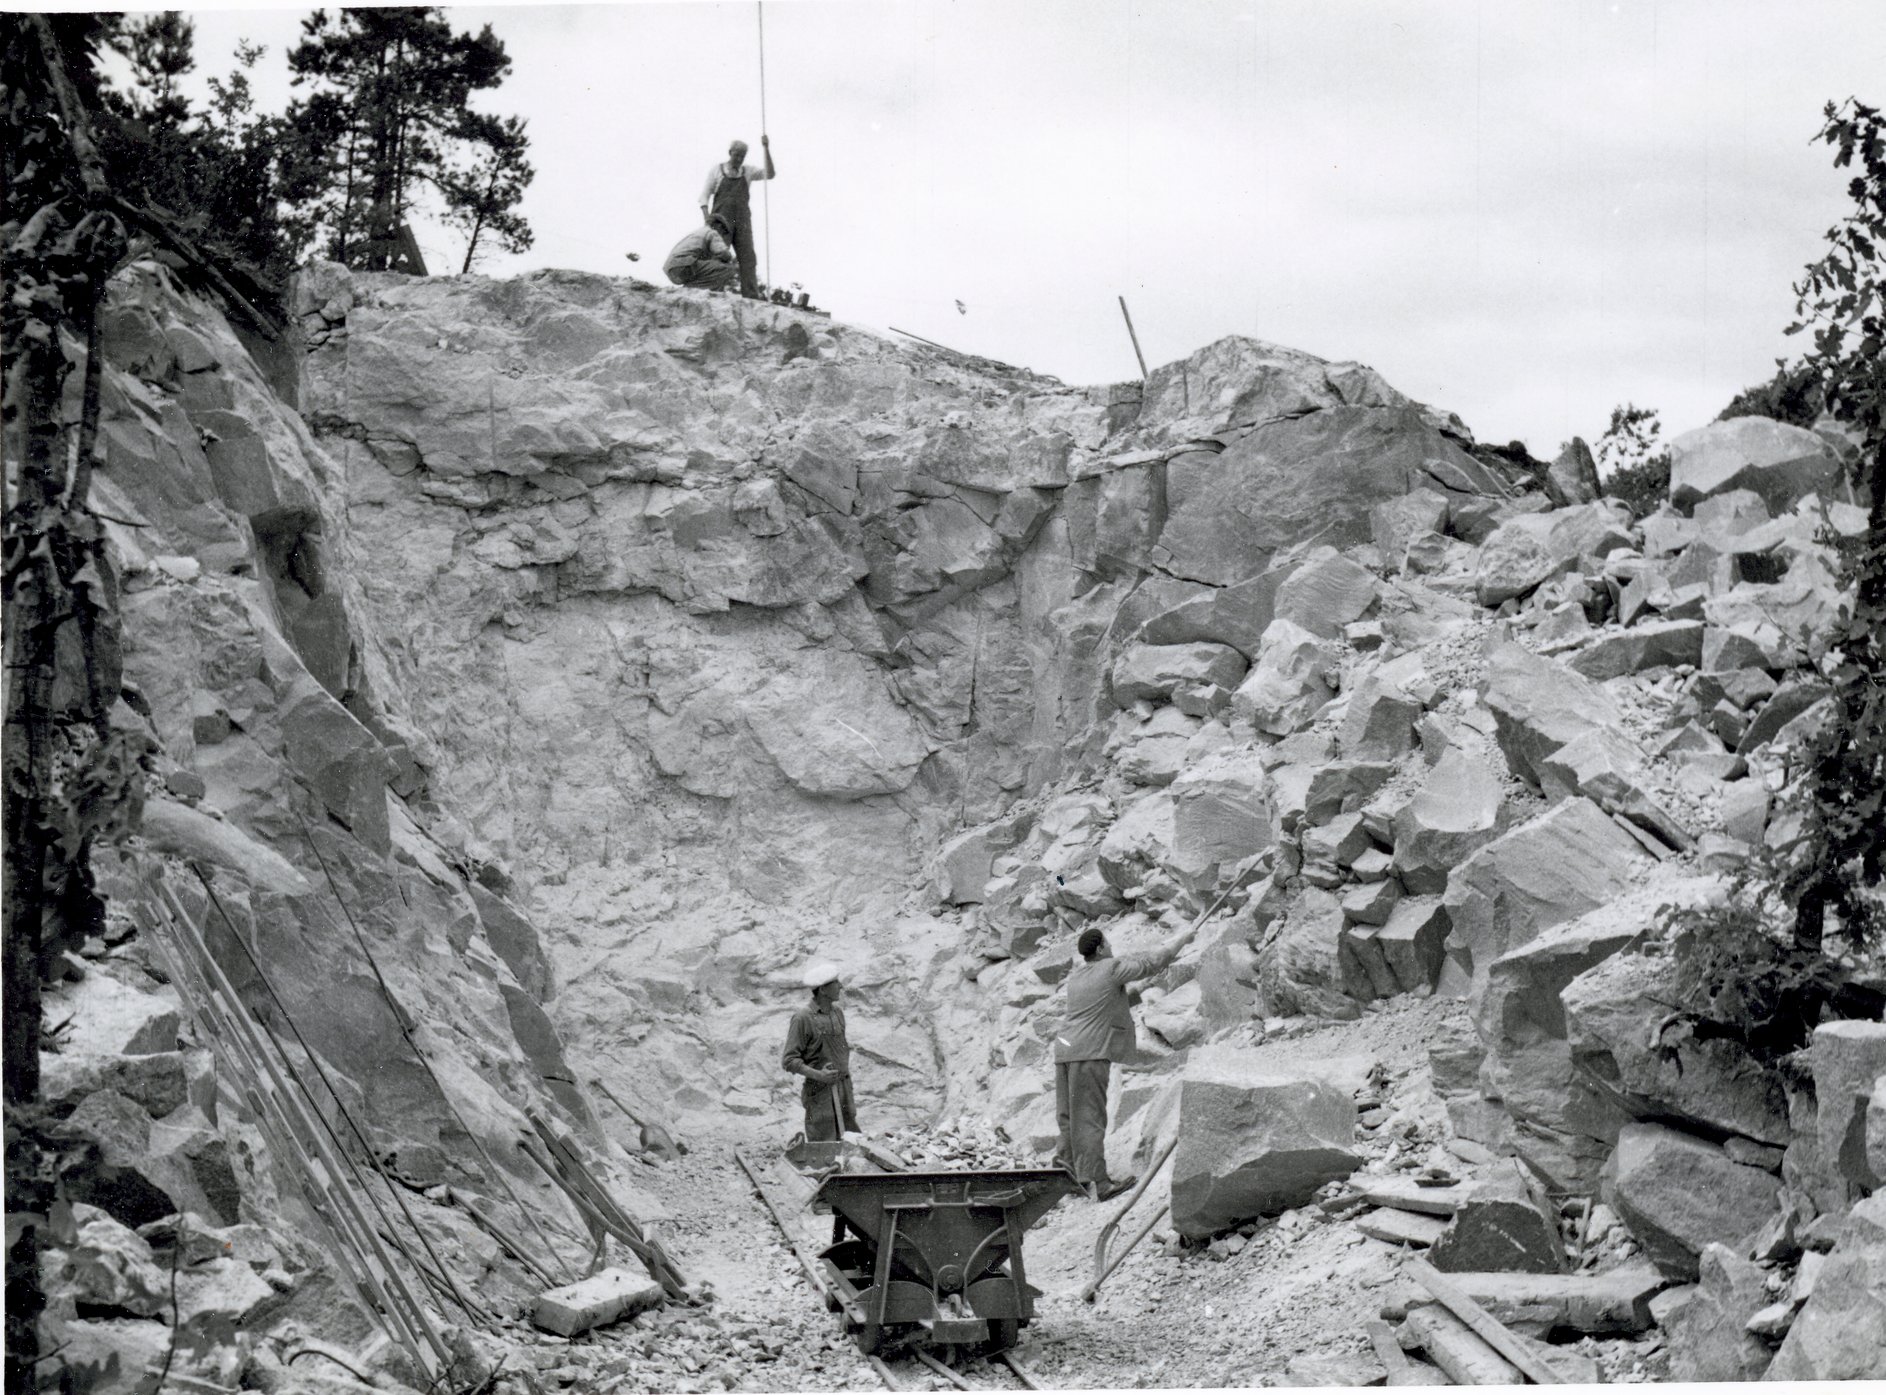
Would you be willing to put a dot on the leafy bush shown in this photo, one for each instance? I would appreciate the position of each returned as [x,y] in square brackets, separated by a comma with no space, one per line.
[1793,395]
[1632,463]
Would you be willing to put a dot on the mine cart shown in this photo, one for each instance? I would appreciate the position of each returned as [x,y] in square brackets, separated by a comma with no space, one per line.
[935,1258]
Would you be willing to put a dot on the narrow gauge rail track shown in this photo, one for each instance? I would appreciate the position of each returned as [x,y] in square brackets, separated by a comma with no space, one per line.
[768,1195]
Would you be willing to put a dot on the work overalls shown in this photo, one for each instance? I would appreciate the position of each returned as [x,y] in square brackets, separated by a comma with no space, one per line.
[732,201]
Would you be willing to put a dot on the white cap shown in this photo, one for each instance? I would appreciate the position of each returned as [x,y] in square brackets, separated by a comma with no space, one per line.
[821,973]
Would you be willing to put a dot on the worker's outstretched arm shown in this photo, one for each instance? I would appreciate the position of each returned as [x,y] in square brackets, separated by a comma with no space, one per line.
[766,148]
[1152,961]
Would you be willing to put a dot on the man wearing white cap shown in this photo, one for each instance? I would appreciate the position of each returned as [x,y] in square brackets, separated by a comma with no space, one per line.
[816,1049]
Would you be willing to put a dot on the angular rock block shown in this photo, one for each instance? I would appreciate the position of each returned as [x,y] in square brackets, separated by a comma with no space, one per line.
[1527,551]
[1710,1338]
[1152,752]
[1397,522]
[596,1301]
[1327,592]
[1158,671]
[1379,725]
[1285,688]
[1502,1223]
[1458,810]
[1841,1333]
[1567,861]
[1221,815]
[1776,461]
[1848,1059]
[1610,1012]
[1301,969]
[1572,478]
[1608,768]
[1254,1142]
[1678,1193]
[1538,706]
[1656,644]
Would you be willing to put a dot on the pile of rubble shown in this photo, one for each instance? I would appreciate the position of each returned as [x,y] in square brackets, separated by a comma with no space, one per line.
[962,1144]
[1474,757]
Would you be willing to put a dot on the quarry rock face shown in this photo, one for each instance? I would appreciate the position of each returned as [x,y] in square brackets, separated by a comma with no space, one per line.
[579,659]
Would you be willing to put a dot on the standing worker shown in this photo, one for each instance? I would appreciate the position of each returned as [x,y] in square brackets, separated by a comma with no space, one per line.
[726,193]
[1096,1031]
[816,1049]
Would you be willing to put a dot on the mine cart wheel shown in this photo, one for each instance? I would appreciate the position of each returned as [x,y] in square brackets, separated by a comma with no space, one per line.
[1004,1333]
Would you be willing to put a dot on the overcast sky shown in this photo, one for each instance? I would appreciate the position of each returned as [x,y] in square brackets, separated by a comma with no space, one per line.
[1523,212]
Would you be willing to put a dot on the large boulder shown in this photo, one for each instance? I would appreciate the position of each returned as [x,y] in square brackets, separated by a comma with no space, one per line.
[1397,522]
[1677,1193]
[1295,473]
[1221,815]
[1613,1012]
[1841,1333]
[1848,1059]
[1609,769]
[1504,1223]
[1572,478]
[1153,751]
[1459,809]
[1301,969]
[1287,685]
[1569,860]
[1776,461]
[1326,593]
[1379,722]
[1654,644]
[1710,1339]
[1196,677]
[1254,1141]
[1235,615]
[1526,551]
[1538,706]
[1521,1022]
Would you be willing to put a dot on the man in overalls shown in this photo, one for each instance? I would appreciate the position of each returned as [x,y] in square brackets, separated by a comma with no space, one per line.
[726,193]
[816,1049]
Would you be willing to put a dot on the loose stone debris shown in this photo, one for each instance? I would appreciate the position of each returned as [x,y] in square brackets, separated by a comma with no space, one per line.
[577,659]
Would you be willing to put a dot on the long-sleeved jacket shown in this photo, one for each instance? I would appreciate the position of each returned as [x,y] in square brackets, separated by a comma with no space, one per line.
[816,1041]
[1097,1024]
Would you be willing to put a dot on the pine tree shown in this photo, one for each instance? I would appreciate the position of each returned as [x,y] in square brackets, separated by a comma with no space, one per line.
[387,115]
[482,198]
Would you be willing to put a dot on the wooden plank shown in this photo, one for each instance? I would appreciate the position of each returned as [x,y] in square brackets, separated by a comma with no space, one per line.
[1404,1195]
[594,1302]
[1452,1345]
[1488,1328]
[1400,1227]
[1401,1371]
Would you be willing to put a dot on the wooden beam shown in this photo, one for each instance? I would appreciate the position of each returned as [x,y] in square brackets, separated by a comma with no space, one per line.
[1401,1371]
[1452,1345]
[1510,1345]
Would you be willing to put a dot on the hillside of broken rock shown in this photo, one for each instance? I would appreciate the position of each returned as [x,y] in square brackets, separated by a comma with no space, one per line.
[544,671]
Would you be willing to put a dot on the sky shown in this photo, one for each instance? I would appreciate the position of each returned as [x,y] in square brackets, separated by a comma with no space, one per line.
[1523,212]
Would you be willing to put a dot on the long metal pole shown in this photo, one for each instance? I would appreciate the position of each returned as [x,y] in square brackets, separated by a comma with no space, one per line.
[1135,338]
[766,190]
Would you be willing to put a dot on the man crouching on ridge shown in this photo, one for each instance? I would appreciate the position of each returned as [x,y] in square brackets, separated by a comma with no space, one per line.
[1096,1031]
[816,1048]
